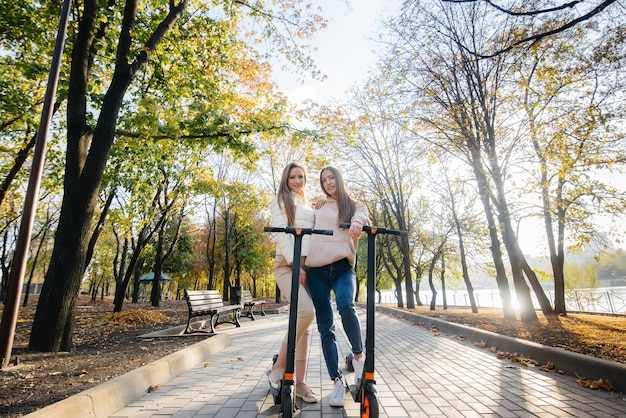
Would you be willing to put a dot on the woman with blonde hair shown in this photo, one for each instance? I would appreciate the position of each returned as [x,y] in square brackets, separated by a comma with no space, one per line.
[290,208]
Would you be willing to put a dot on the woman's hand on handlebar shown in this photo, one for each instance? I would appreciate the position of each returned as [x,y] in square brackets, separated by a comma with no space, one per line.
[355,230]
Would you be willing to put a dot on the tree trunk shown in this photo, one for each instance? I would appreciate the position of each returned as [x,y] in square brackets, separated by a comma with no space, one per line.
[443,281]
[86,158]
[42,243]
[542,299]
[496,253]
[142,239]
[418,281]
[136,276]
[155,295]
[5,263]
[556,247]
[119,263]
[211,250]
[406,263]
[161,253]
[399,297]
[464,268]
[54,319]
[527,309]
[98,229]
[431,269]
[558,268]
[227,255]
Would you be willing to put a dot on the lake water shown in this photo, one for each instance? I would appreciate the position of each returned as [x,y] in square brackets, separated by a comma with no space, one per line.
[600,300]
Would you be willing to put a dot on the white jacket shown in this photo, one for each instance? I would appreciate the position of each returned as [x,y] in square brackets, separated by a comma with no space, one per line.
[304,219]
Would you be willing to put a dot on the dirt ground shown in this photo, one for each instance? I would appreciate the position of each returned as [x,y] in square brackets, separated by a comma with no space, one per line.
[107,346]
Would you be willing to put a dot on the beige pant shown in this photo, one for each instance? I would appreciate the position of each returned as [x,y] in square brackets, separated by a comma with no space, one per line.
[306,311]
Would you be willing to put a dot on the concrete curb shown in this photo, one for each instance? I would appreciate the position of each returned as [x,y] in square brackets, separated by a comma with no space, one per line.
[109,397]
[569,362]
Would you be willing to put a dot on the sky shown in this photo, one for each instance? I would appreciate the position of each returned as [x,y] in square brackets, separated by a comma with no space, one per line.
[345,49]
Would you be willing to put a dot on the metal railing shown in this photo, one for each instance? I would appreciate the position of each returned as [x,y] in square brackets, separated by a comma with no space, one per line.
[609,300]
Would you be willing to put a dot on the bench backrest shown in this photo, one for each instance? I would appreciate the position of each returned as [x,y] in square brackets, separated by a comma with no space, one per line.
[246,296]
[199,300]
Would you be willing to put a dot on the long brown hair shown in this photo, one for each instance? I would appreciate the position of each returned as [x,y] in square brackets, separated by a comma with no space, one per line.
[345,203]
[285,194]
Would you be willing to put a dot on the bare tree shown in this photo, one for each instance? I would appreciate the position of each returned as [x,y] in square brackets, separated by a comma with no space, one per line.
[555,20]
[386,162]
[460,101]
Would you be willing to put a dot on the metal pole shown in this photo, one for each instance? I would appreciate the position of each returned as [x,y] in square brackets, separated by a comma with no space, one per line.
[16,276]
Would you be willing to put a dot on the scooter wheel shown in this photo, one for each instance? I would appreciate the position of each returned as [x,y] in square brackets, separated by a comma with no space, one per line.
[287,406]
[349,367]
[369,405]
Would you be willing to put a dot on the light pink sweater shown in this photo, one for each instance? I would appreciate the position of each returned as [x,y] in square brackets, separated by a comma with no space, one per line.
[326,249]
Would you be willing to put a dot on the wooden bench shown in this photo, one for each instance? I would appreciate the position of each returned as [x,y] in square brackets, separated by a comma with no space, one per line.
[249,304]
[209,303]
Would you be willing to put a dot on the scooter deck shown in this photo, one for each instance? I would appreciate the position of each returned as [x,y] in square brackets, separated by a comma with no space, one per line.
[354,391]
[352,388]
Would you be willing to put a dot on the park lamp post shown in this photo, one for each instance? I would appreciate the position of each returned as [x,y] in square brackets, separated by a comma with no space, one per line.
[16,276]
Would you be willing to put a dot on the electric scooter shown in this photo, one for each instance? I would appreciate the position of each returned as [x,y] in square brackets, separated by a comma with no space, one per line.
[285,394]
[365,392]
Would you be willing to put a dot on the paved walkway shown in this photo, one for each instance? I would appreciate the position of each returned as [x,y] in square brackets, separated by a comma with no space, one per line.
[419,373]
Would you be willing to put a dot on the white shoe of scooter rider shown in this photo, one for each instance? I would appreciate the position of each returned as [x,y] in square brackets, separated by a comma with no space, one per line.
[336,396]
[358,366]
[274,376]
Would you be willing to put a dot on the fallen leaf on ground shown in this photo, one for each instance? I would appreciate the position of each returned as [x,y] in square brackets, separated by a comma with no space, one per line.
[601,383]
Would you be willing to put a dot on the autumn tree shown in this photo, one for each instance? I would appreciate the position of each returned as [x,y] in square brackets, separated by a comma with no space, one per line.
[572,140]
[123,50]
[459,97]
[384,162]
[440,231]
[167,235]
[458,198]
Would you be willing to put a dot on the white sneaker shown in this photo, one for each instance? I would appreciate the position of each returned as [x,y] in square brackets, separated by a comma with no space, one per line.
[336,397]
[274,376]
[358,370]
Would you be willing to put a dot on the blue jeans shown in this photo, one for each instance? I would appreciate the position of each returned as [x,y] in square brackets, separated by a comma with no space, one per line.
[340,278]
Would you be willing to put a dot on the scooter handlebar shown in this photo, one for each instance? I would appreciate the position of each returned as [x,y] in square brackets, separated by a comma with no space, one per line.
[371,229]
[297,230]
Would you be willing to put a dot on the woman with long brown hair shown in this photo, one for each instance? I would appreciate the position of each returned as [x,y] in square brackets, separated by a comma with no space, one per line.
[331,263]
[290,208]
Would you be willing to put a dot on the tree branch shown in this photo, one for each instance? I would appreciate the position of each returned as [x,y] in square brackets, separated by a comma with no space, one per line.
[533,39]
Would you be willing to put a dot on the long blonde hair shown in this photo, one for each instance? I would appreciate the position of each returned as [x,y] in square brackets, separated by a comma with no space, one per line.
[285,194]
[345,203]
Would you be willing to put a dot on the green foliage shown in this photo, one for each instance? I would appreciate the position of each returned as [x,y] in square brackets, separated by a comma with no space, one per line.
[180,260]
[27,38]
